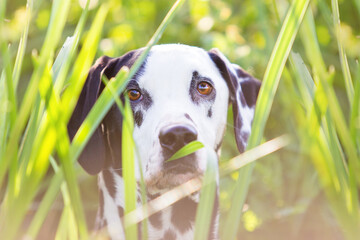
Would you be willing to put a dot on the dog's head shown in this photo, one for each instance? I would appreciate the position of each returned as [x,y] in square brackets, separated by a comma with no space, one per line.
[180,94]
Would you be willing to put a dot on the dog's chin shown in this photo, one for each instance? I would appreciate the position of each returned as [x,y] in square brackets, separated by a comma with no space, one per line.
[171,177]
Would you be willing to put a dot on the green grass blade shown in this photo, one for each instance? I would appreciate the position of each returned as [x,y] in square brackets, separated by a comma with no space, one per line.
[312,48]
[327,140]
[357,4]
[11,115]
[2,16]
[63,57]
[3,115]
[343,130]
[343,59]
[57,22]
[22,45]
[69,48]
[9,86]
[186,150]
[355,112]
[83,63]
[128,164]
[204,211]
[24,187]
[274,69]
[265,99]
[46,202]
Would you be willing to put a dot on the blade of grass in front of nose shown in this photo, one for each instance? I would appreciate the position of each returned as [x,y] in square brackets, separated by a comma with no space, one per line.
[186,150]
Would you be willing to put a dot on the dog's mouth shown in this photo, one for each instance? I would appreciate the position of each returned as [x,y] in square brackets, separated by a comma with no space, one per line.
[174,173]
[180,168]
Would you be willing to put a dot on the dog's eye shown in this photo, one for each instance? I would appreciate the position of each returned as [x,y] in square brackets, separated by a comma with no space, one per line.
[204,88]
[134,94]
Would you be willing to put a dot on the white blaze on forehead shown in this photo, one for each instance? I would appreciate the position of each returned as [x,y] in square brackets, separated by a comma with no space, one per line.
[169,67]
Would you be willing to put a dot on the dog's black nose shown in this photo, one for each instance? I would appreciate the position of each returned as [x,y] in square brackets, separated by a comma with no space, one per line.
[172,138]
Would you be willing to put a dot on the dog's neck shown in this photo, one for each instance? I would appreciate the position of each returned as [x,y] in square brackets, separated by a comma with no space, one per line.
[174,222]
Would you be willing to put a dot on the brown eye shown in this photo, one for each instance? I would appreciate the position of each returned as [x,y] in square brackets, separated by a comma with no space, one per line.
[134,94]
[204,88]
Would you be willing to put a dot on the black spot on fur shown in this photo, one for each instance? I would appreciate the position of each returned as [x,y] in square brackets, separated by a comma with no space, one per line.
[139,230]
[120,211]
[147,100]
[209,113]
[138,117]
[212,234]
[101,204]
[188,117]
[242,99]
[156,220]
[152,196]
[238,123]
[109,182]
[118,171]
[169,235]
[218,146]
[250,89]
[183,214]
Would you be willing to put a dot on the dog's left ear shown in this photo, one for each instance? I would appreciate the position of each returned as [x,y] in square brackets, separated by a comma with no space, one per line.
[95,156]
[244,90]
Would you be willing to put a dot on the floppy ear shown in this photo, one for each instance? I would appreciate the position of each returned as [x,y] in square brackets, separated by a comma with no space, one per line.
[96,154]
[243,89]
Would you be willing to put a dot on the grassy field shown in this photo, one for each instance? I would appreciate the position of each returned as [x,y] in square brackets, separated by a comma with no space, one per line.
[305,137]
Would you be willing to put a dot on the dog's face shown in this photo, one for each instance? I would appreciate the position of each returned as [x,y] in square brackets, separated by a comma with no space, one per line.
[181,97]
[180,94]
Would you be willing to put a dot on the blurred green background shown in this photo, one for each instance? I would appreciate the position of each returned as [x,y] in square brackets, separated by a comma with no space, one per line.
[285,199]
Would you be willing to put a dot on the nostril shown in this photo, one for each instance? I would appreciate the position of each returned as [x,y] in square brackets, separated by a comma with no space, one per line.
[168,139]
[189,137]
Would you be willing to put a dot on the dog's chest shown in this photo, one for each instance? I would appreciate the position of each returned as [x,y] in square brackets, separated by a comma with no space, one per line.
[163,226]
[173,223]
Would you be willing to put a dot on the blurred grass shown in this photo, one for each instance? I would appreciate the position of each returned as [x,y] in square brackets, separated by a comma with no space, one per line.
[267,92]
[316,104]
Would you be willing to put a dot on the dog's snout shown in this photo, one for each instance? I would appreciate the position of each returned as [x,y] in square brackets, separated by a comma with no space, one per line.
[172,138]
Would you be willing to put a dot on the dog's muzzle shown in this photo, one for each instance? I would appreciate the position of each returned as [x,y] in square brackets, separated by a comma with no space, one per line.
[172,138]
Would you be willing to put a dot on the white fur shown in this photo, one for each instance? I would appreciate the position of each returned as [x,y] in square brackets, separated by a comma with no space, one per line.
[114,225]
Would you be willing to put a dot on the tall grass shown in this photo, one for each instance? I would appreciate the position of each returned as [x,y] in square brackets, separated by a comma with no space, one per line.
[33,129]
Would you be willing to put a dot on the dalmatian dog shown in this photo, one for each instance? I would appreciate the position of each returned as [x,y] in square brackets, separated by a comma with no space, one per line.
[180,94]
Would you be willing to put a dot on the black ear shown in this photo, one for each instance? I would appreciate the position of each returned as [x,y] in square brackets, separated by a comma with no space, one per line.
[243,90]
[96,154]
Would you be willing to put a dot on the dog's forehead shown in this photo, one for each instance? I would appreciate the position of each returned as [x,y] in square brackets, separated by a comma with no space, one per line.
[174,64]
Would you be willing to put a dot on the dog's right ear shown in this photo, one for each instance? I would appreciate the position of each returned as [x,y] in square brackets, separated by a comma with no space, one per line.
[95,154]
[244,90]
